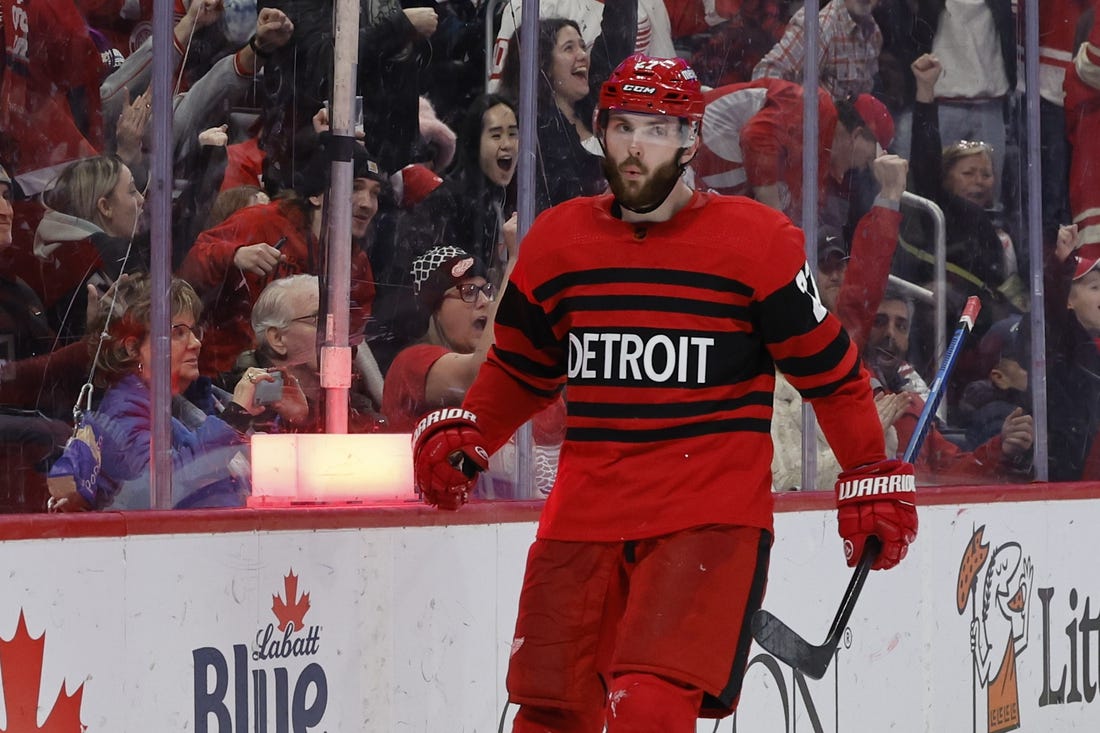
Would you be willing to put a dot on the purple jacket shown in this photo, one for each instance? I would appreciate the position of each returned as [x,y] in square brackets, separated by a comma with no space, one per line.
[111,466]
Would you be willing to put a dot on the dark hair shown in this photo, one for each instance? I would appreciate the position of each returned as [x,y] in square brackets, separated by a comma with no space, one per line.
[469,129]
[849,116]
[893,292]
[548,38]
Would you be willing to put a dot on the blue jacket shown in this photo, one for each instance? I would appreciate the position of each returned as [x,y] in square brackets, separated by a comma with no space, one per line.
[115,471]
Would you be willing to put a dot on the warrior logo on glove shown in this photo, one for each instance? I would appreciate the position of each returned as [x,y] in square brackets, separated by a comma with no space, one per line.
[436,416]
[873,486]
[877,499]
[448,453]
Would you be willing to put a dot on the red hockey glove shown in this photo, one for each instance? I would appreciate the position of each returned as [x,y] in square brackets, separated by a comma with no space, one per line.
[448,453]
[877,499]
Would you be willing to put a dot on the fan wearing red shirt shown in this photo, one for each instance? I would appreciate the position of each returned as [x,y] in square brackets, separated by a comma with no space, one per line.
[231,263]
[666,312]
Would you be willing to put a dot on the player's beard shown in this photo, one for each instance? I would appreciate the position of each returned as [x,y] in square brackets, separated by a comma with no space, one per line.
[642,196]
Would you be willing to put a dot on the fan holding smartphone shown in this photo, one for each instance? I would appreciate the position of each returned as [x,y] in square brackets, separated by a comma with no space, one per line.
[269,390]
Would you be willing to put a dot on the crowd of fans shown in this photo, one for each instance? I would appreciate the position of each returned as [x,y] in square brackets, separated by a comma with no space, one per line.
[918,97]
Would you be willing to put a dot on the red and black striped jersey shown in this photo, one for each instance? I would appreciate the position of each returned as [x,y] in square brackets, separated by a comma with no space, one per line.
[667,335]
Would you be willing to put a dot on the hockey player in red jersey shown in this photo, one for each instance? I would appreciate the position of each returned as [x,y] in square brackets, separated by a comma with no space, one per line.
[666,311]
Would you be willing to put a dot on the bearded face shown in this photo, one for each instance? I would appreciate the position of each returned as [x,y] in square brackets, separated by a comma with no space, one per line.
[888,342]
[643,157]
[639,188]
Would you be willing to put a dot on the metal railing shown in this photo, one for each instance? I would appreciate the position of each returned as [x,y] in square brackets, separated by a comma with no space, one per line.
[939,251]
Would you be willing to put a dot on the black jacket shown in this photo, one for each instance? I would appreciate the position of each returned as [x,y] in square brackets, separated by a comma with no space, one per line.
[566,169]
[299,79]
[975,255]
[465,211]
[1073,380]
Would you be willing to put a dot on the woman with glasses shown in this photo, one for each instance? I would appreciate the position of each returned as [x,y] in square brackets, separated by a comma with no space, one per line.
[470,206]
[107,464]
[459,304]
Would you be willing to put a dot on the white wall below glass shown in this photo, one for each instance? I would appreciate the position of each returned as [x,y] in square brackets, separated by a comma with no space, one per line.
[408,628]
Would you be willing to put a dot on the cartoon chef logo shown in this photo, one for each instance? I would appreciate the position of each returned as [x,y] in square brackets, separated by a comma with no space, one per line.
[997,587]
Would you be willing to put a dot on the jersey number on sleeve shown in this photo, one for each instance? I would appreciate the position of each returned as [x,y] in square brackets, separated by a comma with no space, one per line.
[805,283]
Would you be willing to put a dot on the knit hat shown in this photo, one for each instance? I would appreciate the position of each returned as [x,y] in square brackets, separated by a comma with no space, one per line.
[877,118]
[440,269]
[312,178]
[413,183]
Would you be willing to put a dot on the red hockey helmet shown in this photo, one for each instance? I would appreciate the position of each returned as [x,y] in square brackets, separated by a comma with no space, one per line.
[654,86]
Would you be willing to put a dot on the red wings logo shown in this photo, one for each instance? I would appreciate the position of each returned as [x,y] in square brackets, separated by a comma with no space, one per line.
[291,610]
[21,675]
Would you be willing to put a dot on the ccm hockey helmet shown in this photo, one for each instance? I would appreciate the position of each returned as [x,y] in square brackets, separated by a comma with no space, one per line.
[653,86]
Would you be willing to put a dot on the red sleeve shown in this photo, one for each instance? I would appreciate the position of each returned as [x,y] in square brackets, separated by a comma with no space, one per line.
[66,369]
[812,349]
[873,247]
[523,372]
[762,147]
[938,455]
[771,141]
[501,402]
[942,460]
[210,258]
[362,292]
[685,17]
[403,395]
[849,420]
[72,62]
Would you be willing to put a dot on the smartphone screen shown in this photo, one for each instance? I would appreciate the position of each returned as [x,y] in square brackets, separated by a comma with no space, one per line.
[269,392]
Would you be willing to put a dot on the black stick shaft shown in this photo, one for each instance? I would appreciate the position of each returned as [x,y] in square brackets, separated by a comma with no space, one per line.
[779,639]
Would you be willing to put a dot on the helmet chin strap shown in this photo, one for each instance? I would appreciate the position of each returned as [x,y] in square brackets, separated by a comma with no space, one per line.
[681,167]
[664,195]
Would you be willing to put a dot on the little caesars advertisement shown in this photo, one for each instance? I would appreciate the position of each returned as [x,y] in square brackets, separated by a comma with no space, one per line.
[992,624]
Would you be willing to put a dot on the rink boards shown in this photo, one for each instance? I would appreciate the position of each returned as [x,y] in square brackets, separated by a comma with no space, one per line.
[400,619]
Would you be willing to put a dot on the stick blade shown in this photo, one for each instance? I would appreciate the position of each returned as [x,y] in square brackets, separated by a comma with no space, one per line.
[784,644]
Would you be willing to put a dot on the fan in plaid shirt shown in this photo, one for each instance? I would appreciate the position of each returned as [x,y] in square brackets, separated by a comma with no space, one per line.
[850,43]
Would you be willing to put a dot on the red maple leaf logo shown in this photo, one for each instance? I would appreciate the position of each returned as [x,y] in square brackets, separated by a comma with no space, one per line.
[21,675]
[293,609]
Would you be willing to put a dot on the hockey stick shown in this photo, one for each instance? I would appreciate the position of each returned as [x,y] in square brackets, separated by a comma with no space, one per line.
[780,640]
